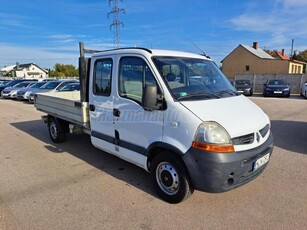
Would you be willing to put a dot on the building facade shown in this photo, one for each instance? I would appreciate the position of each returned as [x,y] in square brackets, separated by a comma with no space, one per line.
[28,71]
[253,60]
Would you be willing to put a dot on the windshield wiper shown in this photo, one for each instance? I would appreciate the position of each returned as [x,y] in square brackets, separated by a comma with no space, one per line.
[197,95]
[228,91]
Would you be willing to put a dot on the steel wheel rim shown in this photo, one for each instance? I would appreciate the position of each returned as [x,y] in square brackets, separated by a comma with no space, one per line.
[167,178]
[53,130]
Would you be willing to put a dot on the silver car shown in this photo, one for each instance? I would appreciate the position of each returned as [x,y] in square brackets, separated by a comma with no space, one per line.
[304,90]
[11,92]
[50,86]
[22,94]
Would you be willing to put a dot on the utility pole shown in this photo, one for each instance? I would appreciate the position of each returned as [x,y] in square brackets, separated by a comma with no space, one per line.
[291,56]
[116,23]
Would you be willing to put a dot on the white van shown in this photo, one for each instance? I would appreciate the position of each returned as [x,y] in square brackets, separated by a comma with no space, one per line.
[171,113]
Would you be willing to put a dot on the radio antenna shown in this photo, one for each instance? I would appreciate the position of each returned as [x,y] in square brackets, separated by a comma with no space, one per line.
[203,53]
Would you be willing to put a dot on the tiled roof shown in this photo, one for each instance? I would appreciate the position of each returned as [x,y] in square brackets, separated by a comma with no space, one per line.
[279,55]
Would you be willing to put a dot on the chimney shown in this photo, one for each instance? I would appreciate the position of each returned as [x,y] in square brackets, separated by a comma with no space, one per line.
[17,65]
[255,45]
[283,52]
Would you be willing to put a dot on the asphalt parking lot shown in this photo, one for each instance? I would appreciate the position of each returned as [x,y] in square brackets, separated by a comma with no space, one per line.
[75,186]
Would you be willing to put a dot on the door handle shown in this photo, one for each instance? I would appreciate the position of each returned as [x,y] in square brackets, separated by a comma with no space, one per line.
[116,112]
[92,108]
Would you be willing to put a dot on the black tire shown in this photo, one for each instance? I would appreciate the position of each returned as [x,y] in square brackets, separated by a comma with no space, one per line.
[305,95]
[56,130]
[170,178]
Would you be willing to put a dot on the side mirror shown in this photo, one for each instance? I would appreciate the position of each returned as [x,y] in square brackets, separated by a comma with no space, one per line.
[151,99]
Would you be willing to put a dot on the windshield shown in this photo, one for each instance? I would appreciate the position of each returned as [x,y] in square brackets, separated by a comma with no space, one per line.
[51,85]
[276,82]
[71,87]
[38,85]
[22,84]
[12,83]
[242,82]
[193,79]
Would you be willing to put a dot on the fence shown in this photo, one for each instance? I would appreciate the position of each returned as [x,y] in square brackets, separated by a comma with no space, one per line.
[295,80]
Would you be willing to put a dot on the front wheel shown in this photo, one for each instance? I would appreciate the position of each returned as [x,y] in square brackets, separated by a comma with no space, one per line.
[56,130]
[170,178]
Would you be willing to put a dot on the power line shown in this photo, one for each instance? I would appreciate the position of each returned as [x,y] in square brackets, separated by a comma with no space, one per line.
[116,23]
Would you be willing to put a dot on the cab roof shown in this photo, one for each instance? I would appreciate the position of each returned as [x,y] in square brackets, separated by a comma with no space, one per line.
[150,52]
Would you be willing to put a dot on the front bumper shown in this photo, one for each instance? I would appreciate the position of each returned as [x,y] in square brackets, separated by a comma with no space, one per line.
[281,93]
[220,172]
[5,95]
[246,92]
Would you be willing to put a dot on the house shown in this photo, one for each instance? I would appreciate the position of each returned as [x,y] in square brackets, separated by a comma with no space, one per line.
[253,60]
[29,70]
[4,71]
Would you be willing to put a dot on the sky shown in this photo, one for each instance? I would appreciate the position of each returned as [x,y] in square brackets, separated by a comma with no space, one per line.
[47,32]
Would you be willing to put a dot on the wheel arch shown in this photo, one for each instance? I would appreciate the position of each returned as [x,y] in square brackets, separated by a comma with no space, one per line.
[63,124]
[158,147]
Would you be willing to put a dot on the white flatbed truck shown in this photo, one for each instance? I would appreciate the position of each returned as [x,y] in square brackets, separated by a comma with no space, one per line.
[171,113]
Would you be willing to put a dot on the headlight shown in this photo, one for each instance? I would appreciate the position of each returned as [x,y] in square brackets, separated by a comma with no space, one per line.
[212,137]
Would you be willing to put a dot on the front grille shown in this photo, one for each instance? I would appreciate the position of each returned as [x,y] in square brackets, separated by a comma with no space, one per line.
[264,130]
[244,140]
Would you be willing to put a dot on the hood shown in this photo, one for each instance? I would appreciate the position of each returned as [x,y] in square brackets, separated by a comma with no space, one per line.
[243,86]
[238,115]
[41,90]
[9,89]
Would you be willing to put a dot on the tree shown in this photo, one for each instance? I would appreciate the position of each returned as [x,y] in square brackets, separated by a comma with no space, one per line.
[61,70]
[270,52]
[301,56]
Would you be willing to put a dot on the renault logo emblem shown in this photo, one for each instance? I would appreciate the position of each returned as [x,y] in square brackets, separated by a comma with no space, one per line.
[257,137]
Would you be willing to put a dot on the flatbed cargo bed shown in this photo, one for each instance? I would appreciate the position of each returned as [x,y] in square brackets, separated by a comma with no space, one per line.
[64,105]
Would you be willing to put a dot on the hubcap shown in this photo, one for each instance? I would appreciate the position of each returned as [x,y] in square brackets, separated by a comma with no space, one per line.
[53,130]
[167,178]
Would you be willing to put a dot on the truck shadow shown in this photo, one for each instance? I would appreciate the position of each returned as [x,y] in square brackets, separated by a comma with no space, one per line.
[290,135]
[80,146]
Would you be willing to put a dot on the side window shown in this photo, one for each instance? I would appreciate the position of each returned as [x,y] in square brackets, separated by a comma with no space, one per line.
[134,75]
[102,77]
[62,85]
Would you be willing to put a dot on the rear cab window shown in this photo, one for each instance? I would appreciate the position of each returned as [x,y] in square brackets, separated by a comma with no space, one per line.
[103,77]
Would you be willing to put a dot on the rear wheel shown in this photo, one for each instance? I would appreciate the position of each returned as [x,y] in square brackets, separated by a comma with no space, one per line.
[305,94]
[170,178]
[56,130]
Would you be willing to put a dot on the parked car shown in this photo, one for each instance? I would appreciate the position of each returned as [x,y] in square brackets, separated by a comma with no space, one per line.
[11,92]
[276,88]
[13,83]
[71,87]
[50,86]
[304,90]
[244,87]
[22,93]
